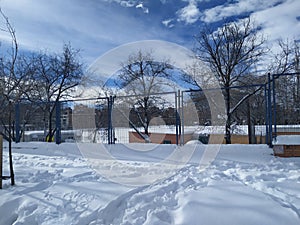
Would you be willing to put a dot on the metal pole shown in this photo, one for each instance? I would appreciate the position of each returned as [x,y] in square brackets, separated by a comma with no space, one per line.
[58,123]
[1,155]
[176,117]
[270,110]
[182,120]
[111,138]
[17,121]
[179,116]
[11,168]
[109,121]
[266,116]
[274,107]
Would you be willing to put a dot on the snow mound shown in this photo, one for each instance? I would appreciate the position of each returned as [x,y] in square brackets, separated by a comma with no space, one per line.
[194,142]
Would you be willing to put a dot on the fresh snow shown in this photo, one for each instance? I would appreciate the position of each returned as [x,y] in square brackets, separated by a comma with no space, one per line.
[55,184]
[287,140]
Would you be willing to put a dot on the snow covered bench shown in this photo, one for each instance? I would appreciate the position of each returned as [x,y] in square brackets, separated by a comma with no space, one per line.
[287,146]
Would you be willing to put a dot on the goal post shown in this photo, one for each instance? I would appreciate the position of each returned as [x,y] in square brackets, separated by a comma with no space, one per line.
[1,158]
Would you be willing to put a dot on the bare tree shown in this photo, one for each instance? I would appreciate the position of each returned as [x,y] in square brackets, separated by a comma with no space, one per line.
[231,52]
[56,77]
[287,61]
[141,77]
[10,83]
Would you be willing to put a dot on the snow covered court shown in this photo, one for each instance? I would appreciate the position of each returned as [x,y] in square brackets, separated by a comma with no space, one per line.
[143,184]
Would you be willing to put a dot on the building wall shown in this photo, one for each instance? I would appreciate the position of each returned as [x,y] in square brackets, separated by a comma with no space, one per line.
[159,138]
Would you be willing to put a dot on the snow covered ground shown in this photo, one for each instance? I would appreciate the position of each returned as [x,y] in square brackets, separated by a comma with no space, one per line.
[244,184]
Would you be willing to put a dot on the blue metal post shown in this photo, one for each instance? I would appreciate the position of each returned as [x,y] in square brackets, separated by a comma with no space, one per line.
[181,131]
[270,110]
[274,106]
[58,123]
[176,117]
[111,138]
[108,120]
[17,122]
[267,116]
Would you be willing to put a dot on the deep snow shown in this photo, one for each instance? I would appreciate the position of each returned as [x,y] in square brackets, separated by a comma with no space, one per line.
[55,184]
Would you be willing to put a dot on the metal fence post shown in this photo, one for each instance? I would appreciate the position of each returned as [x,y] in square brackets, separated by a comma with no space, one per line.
[17,122]
[58,123]
[1,160]
[182,119]
[108,120]
[274,106]
[270,110]
[110,102]
[176,118]
[266,116]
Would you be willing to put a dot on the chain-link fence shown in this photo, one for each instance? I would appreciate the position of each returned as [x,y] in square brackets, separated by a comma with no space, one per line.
[36,121]
[285,104]
[151,118]
[84,120]
[91,120]
[258,113]
[247,115]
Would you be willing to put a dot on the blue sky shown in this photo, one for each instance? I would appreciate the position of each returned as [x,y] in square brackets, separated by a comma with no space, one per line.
[96,26]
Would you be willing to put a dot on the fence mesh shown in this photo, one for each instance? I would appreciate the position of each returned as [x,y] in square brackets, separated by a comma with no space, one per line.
[171,117]
[35,120]
[149,118]
[248,117]
[90,120]
[82,121]
[286,104]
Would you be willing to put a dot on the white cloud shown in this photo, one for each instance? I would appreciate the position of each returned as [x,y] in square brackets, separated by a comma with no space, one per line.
[88,25]
[168,23]
[189,14]
[277,18]
[240,7]
[280,21]
[131,3]
[141,6]
[127,3]
[97,26]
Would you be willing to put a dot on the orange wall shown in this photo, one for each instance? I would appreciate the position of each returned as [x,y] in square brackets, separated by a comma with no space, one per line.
[159,138]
